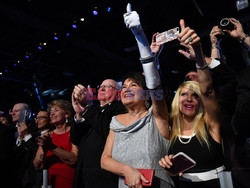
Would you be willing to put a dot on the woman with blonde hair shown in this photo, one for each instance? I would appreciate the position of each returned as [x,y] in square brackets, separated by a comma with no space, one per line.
[196,121]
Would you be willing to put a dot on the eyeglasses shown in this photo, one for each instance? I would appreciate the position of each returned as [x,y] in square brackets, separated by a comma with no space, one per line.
[41,117]
[106,86]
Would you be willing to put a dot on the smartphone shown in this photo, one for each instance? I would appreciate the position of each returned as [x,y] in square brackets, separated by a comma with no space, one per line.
[167,36]
[148,174]
[22,116]
[181,162]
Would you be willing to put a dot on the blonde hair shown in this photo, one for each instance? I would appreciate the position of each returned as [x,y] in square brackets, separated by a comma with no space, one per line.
[176,115]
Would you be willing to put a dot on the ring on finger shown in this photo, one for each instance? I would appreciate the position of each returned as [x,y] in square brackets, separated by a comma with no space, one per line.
[190,39]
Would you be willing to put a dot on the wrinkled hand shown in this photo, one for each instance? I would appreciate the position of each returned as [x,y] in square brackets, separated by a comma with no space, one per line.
[81,97]
[22,129]
[238,31]
[132,20]
[134,177]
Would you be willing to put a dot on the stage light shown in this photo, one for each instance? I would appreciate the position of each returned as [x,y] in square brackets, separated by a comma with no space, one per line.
[67,34]
[109,9]
[95,12]
[39,47]
[74,26]
[27,55]
[81,19]
[55,36]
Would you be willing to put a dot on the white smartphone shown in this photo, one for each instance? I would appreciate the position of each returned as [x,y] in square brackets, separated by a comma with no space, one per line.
[181,162]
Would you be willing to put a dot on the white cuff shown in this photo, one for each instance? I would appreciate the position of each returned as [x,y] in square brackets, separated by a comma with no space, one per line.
[80,120]
[214,63]
[18,141]
[27,137]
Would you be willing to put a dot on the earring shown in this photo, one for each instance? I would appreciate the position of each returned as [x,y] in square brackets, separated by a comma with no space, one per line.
[66,121]
[147,104]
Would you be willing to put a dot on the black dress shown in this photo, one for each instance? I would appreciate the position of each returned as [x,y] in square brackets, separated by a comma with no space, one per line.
[206,159]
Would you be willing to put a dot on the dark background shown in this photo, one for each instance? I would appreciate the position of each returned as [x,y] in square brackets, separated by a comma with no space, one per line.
[100,47]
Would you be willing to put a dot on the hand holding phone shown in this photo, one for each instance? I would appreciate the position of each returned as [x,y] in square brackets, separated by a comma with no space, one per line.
[22,116]
[181,162]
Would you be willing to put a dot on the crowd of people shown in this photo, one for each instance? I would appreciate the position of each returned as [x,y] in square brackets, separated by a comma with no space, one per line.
[75,143]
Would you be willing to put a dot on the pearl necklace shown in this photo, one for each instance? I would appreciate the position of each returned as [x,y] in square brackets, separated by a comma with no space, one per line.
[189,139]
[133,115]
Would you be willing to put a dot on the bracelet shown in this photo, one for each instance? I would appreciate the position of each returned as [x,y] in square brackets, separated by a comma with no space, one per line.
[242,40]
[215,47]
[201,68]
[148,59]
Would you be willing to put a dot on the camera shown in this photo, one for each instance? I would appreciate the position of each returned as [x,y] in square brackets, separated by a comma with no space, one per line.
[225,23]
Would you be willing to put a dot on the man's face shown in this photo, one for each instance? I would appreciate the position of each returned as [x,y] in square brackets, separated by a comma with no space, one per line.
[17,108]
[107,90]
[42,120]
[191,76]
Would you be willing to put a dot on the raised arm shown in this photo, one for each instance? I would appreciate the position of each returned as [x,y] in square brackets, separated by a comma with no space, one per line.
[153,81]
[188,37]
[238,32]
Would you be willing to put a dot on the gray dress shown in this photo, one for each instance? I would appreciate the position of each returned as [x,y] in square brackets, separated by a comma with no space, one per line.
[140,145]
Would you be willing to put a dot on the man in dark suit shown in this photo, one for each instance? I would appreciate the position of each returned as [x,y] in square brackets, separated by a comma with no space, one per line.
[26,146]
[90,133]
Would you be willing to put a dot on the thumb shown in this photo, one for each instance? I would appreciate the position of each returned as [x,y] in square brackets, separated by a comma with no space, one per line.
[144,179]
[182,24]
[129,9]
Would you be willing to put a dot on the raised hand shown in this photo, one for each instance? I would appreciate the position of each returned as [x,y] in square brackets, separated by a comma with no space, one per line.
[191,41]
[238,31]
[132,20]
[156,48]
[80,96]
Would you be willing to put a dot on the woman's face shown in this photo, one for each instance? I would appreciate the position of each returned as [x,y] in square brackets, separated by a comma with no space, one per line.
[132,93]
[189,102]
[57,115]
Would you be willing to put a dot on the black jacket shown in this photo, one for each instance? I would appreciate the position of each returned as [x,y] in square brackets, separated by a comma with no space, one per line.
[90,136]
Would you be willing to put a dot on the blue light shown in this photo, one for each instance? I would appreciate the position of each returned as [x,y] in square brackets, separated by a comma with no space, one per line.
[56,38]
[67,34]
[74,26]
[39,47]
[27,56]
[109,9]
[95,13]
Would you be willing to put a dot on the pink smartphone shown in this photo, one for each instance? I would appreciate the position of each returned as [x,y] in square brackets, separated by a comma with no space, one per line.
[181,162]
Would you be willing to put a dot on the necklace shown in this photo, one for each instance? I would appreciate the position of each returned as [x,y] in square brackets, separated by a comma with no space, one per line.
[189,139]
[133,115]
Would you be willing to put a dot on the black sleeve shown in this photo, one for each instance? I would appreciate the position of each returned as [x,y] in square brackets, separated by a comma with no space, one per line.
[242,112]
[100,121]
[97,119]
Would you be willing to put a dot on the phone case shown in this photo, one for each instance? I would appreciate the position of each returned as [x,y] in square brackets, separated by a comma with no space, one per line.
[148,174]
[181,162]
[22,116]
